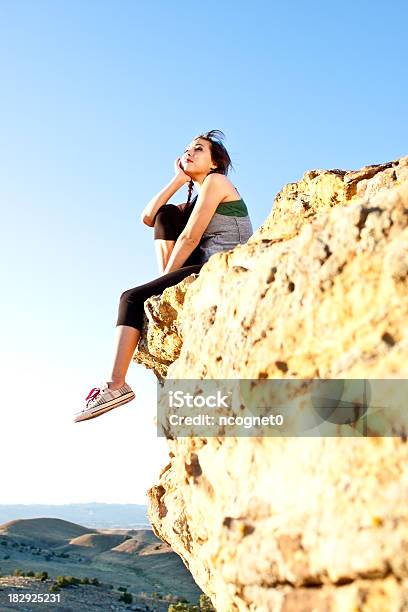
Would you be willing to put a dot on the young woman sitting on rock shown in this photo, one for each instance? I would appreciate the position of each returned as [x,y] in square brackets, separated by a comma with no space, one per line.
[185,237]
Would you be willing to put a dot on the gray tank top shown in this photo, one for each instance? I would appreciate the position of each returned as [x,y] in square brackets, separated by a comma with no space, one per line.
[230,225]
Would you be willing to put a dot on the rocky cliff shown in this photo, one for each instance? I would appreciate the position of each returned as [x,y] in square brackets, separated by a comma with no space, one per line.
[319,291]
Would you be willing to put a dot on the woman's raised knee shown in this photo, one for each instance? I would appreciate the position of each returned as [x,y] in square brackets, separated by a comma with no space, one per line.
[167,212]
[124,295]
[168,222]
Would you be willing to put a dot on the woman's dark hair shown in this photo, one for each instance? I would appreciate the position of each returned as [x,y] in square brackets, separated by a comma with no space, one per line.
[219,156]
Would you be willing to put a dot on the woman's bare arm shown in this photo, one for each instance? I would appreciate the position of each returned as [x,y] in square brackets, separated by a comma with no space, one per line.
[158,200]
[164,195]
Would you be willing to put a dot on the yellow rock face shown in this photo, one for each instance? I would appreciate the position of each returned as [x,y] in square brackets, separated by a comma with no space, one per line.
[319,291]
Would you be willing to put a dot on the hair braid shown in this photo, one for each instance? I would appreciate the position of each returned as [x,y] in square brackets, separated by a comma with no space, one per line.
[190,190]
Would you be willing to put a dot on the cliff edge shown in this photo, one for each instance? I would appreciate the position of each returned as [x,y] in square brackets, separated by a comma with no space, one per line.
[319,291]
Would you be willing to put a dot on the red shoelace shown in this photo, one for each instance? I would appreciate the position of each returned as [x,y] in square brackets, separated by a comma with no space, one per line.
[93,394]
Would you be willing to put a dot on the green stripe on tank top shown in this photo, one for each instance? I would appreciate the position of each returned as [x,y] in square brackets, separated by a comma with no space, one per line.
[234,208]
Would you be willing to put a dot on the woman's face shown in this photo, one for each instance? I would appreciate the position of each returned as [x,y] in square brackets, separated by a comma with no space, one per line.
[196,158]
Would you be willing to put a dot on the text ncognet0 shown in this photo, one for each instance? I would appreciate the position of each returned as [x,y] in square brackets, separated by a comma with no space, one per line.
[222,420]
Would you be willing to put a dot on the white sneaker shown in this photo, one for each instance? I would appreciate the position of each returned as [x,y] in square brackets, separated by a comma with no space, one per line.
[102,399]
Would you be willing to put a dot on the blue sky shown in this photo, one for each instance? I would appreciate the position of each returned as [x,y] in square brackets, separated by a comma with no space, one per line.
[98,99]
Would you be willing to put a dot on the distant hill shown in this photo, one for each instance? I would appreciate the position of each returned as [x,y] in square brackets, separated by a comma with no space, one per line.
[70,537]
[128,558]
[97,542]
[90,515]
[43,530]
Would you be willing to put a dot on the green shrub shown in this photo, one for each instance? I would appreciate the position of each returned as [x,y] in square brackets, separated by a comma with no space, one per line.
[67,581]
[126,598]
[206,605]
[62,581]
[123,589]
[42,576]
[18,572]
[30,574]
[85,580]
[95,581]
[54,588]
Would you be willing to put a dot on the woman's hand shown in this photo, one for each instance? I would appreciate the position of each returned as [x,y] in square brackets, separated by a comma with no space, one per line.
[180,174]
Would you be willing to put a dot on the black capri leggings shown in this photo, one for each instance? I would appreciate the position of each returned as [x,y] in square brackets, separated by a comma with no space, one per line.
[169,222]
